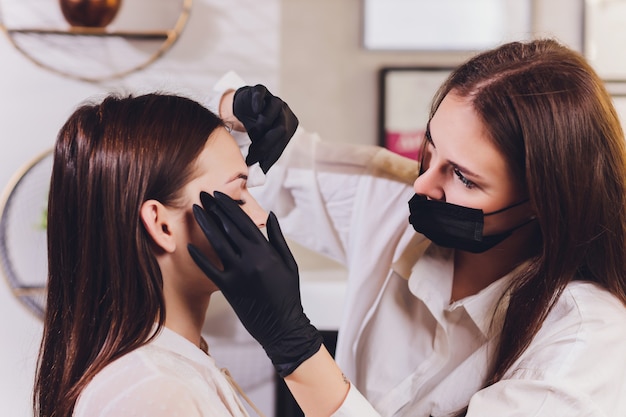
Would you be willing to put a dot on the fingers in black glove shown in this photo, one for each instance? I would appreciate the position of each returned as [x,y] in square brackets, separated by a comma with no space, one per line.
[238,224]
[221,244]
[256,108]
[269,121]
[234,220]
[277,240]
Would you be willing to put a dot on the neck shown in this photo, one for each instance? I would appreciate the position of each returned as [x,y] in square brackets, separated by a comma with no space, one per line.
[186,315]
[474,272]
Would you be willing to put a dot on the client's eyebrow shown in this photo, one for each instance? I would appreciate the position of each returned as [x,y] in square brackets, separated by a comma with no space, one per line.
[238,176]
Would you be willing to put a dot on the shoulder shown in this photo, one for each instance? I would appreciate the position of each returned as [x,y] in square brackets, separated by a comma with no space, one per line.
[590,308]
[583,335]
[586,315]
[147,381]
[577,357]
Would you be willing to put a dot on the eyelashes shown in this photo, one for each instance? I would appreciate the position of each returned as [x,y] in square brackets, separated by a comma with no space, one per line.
[424,162]
[467,183]
[429,138]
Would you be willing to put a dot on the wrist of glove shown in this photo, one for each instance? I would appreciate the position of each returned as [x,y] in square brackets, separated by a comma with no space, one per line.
[294,347]
[259,279]
[269,121]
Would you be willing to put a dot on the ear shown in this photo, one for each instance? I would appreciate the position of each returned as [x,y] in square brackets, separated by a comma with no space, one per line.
[156,219]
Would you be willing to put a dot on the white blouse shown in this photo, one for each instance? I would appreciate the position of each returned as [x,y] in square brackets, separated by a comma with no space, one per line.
[167,377]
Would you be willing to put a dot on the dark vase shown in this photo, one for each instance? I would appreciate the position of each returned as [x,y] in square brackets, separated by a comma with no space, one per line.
[90,13]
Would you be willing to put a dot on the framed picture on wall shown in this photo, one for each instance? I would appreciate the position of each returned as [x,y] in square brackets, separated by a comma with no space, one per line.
[444,25]
[605,37]
[405,98]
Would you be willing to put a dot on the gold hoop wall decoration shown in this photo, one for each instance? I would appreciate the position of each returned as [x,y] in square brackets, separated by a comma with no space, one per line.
[23,238]
[94,54]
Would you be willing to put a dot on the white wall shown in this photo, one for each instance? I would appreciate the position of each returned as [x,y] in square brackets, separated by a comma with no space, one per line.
[309,51]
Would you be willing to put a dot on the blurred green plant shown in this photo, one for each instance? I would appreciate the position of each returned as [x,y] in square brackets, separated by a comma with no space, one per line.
[43,221]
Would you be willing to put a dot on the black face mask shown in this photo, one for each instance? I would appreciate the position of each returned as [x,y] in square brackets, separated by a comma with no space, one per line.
[453,226]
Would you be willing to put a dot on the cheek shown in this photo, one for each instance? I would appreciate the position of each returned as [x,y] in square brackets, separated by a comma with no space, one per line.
[495,225]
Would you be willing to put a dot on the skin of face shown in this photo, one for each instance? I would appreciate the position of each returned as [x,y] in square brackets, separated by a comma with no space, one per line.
[462,166]
[219,167]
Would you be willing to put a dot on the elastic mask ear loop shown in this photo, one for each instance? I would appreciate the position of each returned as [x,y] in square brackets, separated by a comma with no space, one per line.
[531,219]
[507,208]
[524,223]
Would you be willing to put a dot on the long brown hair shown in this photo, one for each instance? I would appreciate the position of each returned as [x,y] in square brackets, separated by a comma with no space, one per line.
[104,284]
[550,115]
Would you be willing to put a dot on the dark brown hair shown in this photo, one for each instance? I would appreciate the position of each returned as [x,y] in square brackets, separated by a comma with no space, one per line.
[550,115]
[104,284]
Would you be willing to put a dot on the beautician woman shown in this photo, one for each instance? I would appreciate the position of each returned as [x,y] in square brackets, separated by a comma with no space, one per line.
[510,298]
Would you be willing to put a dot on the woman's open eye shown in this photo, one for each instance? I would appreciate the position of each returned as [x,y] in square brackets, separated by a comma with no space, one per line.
[467,183]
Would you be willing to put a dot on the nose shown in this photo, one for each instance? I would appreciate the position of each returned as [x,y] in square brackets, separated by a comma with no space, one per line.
[254,210]
[429,184]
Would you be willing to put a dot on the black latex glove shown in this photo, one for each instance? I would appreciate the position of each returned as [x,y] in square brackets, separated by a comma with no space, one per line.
[269,121]
[260,280]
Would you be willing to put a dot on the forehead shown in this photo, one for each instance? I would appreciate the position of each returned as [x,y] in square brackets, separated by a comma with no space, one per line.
[460,137]
[221,156]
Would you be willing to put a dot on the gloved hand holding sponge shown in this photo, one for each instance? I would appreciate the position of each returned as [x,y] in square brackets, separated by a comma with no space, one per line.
[269,121]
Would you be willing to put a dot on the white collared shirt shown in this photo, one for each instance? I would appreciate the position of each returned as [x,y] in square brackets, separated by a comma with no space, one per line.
[167,377]
[404,346]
